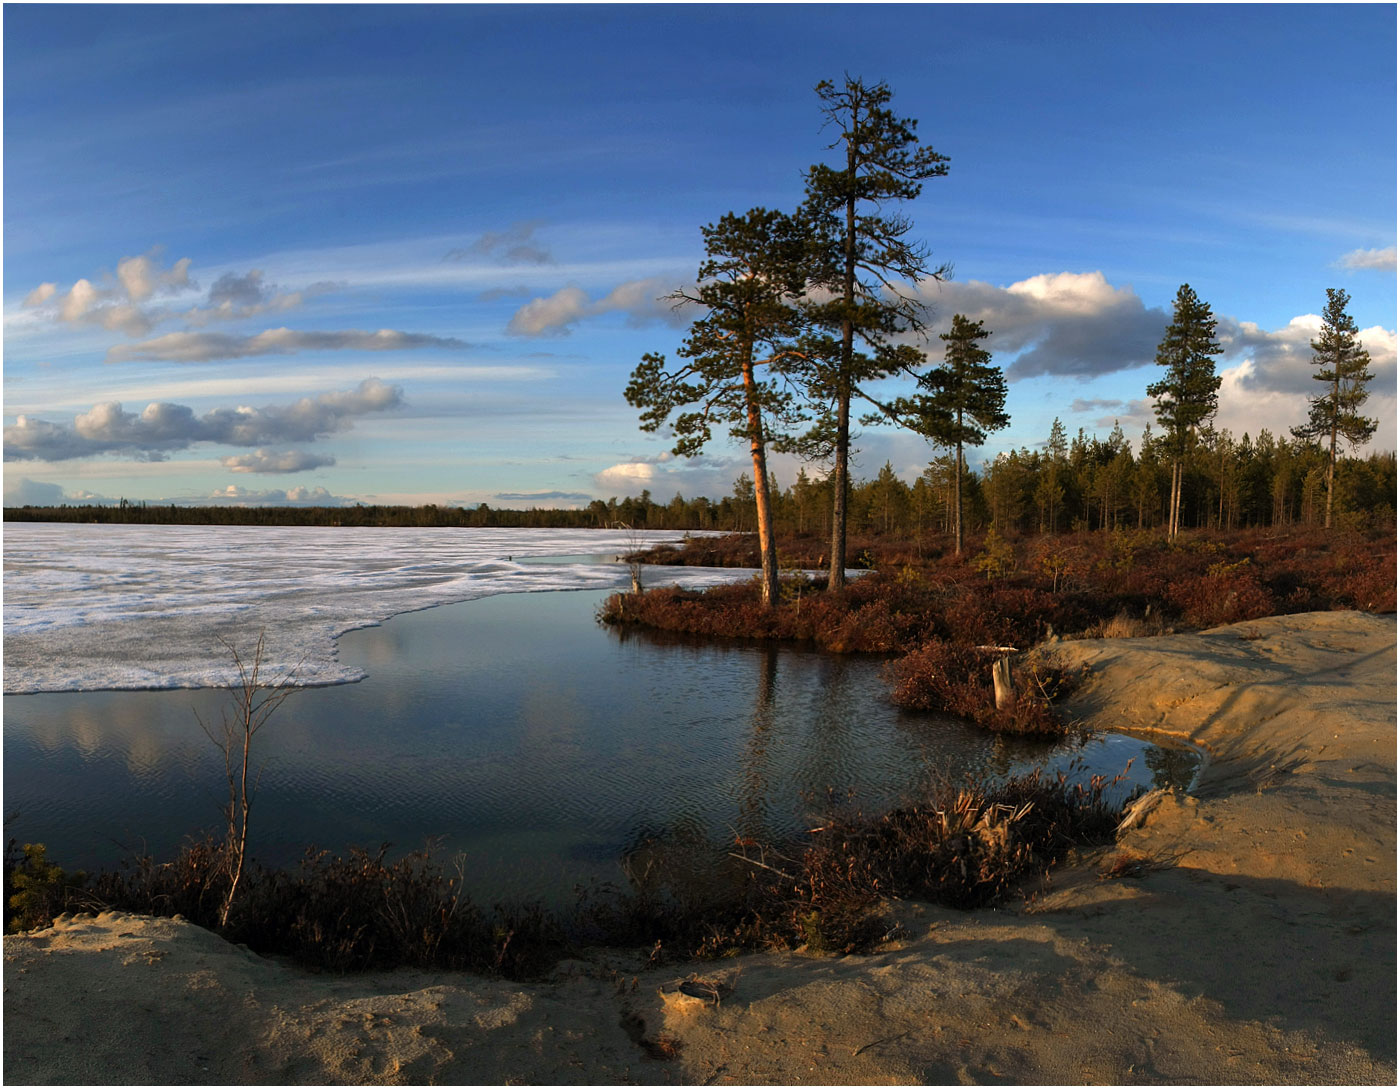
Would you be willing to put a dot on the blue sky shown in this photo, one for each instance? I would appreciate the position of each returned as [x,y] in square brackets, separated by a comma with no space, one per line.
[411,254]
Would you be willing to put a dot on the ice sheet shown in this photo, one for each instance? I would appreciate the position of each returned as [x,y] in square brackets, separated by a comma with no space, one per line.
[107,607]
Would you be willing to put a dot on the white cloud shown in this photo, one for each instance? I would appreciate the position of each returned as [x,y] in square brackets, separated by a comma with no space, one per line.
[643,301]
[233,495]
[40,295]
[79,300]
[115,303]
[628,477]
[140,278]
[23,492]
[189,347]
[1282,360]
[162,427]
[124,302]
[1382,259]
[1064,323]
[665,475]
[265,461]
[552,315]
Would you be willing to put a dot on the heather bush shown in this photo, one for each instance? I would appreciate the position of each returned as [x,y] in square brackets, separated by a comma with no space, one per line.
[1225,594]
[956,679]
[338,913]
[967,848]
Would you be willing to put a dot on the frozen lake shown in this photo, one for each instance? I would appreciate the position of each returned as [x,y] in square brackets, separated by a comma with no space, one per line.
[92,607]
[508,725]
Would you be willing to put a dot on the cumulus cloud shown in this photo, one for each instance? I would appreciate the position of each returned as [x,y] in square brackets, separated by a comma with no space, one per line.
[515,245]
[40,295]
[664,475]
[266,461]
[126,301]
[23,492]
[643,301]
[161,428]
[189,347]
[627,477]
[1065,323]
[141,278]
[233,495]
[1282,360]
[116,301]
[1383,259]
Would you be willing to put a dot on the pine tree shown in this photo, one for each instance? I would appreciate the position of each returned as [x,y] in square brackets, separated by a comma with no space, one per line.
[1342,363]
[865,252]
[1186,398]
[749,285]
[960,402]
[1049,490]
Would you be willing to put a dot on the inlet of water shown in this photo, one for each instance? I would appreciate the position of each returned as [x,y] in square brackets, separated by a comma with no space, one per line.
[517,731]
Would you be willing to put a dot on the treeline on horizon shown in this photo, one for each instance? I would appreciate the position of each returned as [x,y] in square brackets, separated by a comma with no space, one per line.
[1079,484]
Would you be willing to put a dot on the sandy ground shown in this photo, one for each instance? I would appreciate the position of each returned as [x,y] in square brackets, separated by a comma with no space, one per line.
[1255,942]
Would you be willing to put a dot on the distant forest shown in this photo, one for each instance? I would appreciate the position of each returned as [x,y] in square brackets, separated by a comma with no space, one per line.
[1071,485]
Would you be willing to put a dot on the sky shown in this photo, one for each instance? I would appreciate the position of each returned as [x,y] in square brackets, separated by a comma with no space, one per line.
[411,254]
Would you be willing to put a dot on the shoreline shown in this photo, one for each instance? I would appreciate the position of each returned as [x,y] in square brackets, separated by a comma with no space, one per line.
[1250,938]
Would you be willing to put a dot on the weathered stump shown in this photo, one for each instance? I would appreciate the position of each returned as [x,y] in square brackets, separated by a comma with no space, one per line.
[1001,681]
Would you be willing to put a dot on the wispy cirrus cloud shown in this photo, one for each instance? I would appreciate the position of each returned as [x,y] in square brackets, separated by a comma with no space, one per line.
[643,301]
[162,428]
[188,347]
[516,245]
[543,497]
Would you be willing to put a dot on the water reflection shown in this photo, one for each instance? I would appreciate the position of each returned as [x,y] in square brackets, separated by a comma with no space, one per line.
[517,731]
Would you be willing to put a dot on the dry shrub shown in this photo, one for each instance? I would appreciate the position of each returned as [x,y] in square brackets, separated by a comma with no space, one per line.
[351,913]
[1124,625]
[966,848]
[1225,594]
[957,680]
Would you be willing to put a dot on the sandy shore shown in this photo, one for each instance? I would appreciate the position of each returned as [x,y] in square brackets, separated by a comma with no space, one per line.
[1252,942]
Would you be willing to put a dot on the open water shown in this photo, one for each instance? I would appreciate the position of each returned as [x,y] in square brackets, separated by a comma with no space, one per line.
[512,728]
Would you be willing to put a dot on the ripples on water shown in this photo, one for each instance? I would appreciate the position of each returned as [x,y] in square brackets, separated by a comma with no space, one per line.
[515,730]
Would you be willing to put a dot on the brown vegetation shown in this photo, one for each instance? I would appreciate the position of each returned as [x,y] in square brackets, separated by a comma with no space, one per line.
[939,614]
[967,847]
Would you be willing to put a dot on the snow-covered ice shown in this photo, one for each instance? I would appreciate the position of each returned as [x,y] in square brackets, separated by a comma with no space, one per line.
[90,607]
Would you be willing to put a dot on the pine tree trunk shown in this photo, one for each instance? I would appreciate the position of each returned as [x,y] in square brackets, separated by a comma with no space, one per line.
[957,502]
[836,570]
[836,575]
[768,557]
[1174,504]
[1331,473]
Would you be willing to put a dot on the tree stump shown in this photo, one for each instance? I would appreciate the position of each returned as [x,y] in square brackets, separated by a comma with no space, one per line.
[1001,681]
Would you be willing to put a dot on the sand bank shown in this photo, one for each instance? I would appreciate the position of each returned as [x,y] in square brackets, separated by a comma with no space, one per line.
[1251,939]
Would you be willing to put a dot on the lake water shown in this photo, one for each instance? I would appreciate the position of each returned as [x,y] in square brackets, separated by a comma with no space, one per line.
[514,729]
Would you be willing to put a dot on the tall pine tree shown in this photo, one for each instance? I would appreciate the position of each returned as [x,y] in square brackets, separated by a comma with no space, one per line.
[749,286]
[960,402]
[865,254]
[1342,363]
[1186,398]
